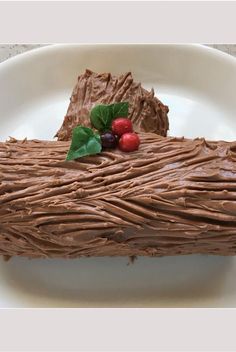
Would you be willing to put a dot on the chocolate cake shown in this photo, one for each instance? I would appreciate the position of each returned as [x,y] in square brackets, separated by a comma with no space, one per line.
[147,112]
[171,196]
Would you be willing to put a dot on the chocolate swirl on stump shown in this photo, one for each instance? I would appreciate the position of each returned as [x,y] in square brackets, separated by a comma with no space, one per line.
[172,196]
[146,112]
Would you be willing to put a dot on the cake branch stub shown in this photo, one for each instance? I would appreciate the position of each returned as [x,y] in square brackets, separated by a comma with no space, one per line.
[147,112]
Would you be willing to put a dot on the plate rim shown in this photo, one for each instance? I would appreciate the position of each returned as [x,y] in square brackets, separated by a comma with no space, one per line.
[200,48]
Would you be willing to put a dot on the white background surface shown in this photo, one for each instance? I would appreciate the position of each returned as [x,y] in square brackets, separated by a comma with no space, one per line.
[152,330]
[199,87]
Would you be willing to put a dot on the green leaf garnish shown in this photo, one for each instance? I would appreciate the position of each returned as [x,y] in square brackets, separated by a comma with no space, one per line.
[119,109]
[84,142]
[101,116]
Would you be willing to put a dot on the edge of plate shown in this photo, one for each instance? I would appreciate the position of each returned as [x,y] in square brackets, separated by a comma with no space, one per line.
[52,47]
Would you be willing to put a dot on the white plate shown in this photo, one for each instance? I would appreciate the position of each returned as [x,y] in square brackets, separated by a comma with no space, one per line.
[199,86]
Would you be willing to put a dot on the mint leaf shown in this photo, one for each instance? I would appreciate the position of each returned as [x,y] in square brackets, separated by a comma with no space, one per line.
[84,142]
[101,116]
[120,109]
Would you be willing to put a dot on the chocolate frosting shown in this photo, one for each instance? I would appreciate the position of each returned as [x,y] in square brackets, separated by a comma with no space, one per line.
[147,112]
[172,196]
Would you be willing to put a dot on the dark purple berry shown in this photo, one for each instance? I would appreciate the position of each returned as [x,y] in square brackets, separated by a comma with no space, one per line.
[109,140]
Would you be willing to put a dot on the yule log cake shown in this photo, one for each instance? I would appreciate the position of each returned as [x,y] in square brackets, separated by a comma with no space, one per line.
[168,196]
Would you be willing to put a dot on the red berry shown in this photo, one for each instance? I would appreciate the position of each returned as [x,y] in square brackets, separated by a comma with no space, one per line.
[129,142]
[121,125]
